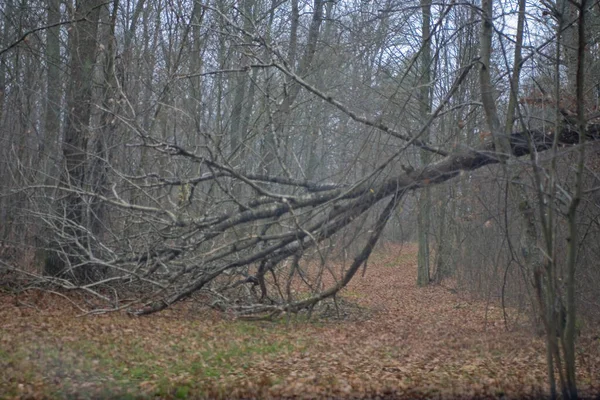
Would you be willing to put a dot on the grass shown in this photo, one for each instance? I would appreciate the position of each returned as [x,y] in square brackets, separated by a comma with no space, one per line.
[173,365]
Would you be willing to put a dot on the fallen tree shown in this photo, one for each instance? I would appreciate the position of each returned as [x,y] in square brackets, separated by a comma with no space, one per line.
[347,205]
[247,245]
[257,228]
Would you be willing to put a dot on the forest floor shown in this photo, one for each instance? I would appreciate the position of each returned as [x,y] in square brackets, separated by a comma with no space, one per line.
[396,341]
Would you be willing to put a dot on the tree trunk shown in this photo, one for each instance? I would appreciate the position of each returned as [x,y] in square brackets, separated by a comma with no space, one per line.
[74,146]
[5,203]
[424,215]
[270,143]
[570,387]
[442,261]
[54,85]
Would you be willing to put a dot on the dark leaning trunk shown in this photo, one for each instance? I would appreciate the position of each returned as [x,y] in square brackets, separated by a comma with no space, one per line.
[66,255]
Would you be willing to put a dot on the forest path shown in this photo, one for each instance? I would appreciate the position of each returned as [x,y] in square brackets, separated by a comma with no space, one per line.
[399,341]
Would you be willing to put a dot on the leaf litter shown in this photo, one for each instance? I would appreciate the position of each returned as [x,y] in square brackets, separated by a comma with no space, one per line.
[395,340]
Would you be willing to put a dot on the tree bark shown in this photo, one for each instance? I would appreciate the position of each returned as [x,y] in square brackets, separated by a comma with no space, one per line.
[74,146]
[424,213]
[570,388]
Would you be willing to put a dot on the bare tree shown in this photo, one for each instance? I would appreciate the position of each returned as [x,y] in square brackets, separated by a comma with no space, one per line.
[250,155]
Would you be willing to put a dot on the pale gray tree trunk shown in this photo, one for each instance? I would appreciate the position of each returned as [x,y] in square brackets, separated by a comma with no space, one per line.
[488,89]
[240,84]
[270,144]
[53,60]
[7,27]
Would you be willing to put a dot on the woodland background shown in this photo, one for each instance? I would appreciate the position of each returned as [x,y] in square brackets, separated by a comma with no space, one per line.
[250,155]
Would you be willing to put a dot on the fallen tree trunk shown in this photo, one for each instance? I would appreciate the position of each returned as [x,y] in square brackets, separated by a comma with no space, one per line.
[348,204]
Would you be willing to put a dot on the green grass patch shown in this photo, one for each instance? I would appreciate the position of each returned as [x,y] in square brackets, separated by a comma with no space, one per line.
[183,368]
[178,363]
[182,392]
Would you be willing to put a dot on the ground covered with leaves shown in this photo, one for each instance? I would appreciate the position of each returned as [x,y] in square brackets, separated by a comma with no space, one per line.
[385,339]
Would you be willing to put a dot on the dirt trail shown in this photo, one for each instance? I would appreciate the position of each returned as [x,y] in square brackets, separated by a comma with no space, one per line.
[404,342]
[423,341]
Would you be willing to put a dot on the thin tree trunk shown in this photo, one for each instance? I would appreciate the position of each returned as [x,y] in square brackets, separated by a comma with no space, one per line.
[442,264]
[5,203]
[240,84]
[424,215]
[485,78]
[53,85]
[570,390]
[6,29]
[269,150]
[100,162]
